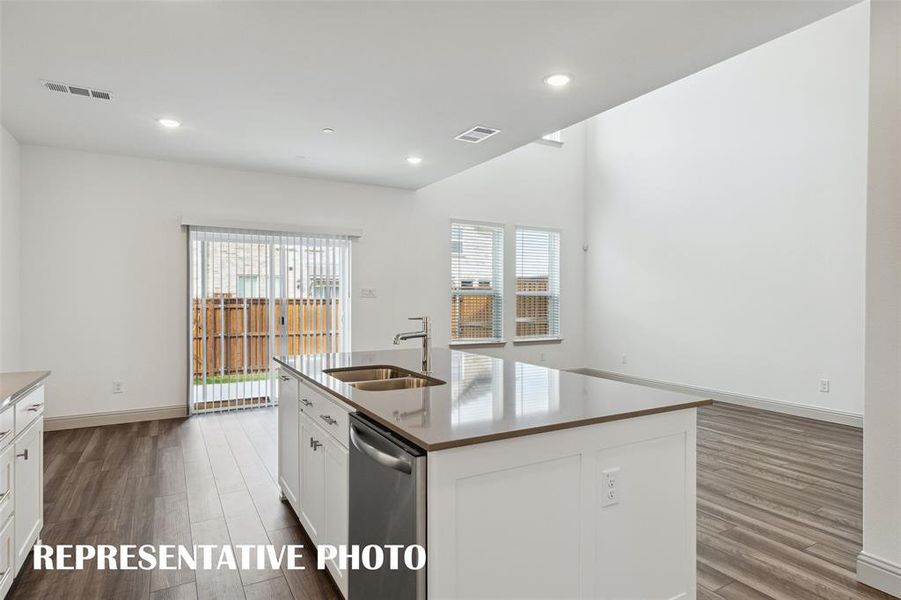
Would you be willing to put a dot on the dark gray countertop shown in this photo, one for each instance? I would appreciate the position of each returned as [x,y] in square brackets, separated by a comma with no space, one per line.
[14,385]
[485,398]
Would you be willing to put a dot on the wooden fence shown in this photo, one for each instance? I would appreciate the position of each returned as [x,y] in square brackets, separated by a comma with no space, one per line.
[237,332]
[472,316]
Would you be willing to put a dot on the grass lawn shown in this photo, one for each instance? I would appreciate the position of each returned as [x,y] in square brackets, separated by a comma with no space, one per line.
[232,378]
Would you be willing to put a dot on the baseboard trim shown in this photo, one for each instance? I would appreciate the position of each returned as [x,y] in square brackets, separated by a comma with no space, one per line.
[788,408]
[115,417]
[879,573]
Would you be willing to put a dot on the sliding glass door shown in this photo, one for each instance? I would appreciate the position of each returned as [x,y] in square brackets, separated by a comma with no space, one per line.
[255,295]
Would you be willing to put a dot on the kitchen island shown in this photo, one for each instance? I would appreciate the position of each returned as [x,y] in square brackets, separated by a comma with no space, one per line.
[540,483]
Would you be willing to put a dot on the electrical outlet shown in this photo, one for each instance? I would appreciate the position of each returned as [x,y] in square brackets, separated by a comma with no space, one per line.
[610,487]
[541,357]
[625,359]
[824,386]
[367,293]
[118,387]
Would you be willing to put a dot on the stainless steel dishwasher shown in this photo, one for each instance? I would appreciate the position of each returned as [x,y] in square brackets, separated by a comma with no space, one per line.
[387,506]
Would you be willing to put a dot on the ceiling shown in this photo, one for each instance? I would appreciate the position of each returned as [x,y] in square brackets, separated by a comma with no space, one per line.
[254,83]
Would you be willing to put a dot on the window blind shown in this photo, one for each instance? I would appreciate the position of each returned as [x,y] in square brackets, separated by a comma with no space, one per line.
[477,281]
[537,283]
[255,295]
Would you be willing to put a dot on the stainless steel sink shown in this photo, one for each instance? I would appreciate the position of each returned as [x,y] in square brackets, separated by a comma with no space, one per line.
[382,378]
[402,383]
[354,374]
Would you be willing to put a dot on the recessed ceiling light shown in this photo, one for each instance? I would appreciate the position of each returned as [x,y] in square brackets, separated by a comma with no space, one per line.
[328,130]
[169,123]
[558,79]
[414,160]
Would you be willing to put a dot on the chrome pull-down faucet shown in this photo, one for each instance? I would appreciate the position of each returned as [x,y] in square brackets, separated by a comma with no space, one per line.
[426,336]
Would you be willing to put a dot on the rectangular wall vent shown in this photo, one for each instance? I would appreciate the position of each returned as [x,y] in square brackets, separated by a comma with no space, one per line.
[78,90]
[477,134]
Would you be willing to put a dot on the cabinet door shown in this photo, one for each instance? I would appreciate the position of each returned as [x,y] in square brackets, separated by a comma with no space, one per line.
[288,455]
[28,492]
[336,510]
[7,557]
[312,494]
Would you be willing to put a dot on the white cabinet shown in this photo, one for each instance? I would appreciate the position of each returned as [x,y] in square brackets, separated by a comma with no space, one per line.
[21,482]
[312,493]
[29,489]
[336,509]
[288,454]
[313,462]
[7,557]
[323,496]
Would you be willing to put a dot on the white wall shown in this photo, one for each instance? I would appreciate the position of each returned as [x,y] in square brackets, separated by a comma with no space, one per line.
[104,259]
[880,562]
[9,252]
[726,219]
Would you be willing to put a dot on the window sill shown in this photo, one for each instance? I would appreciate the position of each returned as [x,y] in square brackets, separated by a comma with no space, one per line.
[549,143]
[546,340]
[478,343]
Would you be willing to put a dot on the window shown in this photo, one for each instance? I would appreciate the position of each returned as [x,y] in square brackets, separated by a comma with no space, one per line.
[537,283]
[477,281]
[255,294]
[248,286]
[556,137]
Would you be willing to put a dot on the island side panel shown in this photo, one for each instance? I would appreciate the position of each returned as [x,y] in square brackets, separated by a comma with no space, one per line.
[523,517]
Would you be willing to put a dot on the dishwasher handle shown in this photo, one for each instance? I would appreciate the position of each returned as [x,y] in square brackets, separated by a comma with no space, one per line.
[358,438]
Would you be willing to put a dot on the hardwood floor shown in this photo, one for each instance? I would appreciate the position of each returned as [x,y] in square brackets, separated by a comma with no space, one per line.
[779,507]
[210,479]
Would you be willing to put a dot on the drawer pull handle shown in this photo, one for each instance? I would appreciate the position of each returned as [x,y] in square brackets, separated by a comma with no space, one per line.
[23,454]
[306,402]
[314,444]
[328,419]
[284,377]
[34,408]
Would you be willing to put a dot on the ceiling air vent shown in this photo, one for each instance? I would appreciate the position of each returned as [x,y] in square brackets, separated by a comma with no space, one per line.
[78,90]
[477,134]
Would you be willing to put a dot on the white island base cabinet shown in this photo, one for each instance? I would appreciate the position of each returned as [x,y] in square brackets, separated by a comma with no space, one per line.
[313,464]
[599,511]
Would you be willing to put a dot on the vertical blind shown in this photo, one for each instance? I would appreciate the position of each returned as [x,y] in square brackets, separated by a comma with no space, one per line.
[255,295]
[477,281]
[537,283]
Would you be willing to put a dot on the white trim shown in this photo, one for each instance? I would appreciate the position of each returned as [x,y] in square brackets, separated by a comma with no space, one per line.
[115,417]
[279,227]
[830,415]
[537,340]
[551,143]
[473,343]
[879,573]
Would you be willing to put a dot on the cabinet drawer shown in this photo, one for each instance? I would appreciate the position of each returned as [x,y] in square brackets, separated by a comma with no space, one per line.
[327,413]
[7,426]
[29,408]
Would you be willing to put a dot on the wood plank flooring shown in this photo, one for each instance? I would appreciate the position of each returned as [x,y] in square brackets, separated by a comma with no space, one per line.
[210,479]
[779,507]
